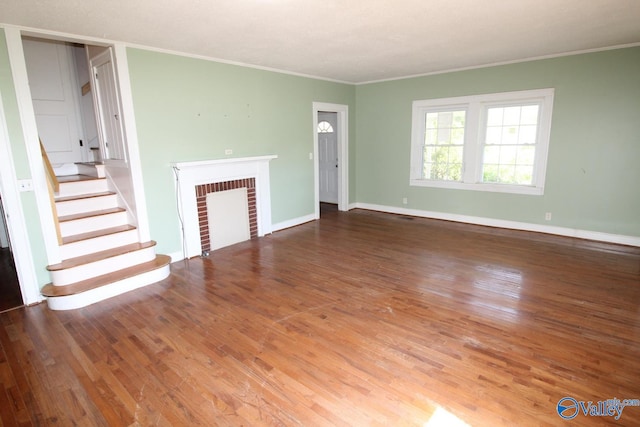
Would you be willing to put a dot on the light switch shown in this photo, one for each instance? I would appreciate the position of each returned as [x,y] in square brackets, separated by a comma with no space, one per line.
[25,185]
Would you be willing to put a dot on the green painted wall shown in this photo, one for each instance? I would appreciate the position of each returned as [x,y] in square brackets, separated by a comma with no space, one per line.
[593,176]
[191,109]
[21,163]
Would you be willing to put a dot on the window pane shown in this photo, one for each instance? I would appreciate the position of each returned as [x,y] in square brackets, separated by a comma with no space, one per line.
[444,136]
[526,155]
[491,154]
[508,155]
[490,173]
[444,142]
[445,119]
[506,174]
[454,172]
[524,175]
[325,127]
[458,119]
[511,116]
[432,120]
[509,146]
[509,135]
[457,136]
[494,117]
[455,154]
[494,135]
[529,115]
[431,136]
[527,134]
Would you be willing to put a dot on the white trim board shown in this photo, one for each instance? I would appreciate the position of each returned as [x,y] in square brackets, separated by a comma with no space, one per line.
[513,225]
[293,222]
[14,218]
[342,112]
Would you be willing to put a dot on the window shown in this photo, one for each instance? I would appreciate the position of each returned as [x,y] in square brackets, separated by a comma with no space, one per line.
[325,127]
[495,142]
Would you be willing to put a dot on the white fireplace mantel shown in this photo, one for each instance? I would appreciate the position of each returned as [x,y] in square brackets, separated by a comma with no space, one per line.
[191,174]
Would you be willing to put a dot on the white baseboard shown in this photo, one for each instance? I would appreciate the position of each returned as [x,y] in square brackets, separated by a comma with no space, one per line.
[292,222]
[176,256]
[514,225]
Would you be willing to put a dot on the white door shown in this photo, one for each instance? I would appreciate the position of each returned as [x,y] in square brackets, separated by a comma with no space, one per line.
[328,156]
[110,127]
[52,81]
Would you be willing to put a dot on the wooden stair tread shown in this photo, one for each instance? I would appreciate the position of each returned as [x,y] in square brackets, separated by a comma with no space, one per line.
[84,196]
[50,290]
[98,256]
[90,214]
[76,178]
[90,163]
[97,233]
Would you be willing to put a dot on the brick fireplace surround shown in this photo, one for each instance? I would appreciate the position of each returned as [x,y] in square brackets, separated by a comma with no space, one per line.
[201,200]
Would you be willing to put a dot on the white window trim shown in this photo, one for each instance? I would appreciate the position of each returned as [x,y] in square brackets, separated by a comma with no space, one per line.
[475,126]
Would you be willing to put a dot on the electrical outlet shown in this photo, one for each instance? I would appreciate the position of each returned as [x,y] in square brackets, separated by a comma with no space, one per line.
[228,151]
[547,216]
[405,201]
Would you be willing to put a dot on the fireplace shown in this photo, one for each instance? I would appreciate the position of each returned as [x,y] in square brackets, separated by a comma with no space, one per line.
[196,180]
[203,201]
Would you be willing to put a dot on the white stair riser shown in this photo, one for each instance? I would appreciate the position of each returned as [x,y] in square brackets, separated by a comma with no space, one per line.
[102,293]
[104,266]
[72,207]
[92,170]
[97,244]
[77,188]
[99,222]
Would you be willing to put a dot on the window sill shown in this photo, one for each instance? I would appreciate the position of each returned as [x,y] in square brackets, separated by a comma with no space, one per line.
[495,188]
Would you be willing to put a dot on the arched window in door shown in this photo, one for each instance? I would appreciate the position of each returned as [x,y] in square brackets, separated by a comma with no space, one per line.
[325,127]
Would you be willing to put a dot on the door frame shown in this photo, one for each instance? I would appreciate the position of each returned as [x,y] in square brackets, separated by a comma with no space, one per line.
[107,56]
[14,218]
[343,154]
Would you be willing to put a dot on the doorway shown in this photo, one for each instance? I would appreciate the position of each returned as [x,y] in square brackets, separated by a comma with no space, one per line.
[128,179]
[328,156]
[331,164]
[10,295]
[63,105]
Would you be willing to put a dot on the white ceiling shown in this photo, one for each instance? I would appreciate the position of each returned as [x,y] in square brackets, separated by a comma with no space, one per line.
[346,40]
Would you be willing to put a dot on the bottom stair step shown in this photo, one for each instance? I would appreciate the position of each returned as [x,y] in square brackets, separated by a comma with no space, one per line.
[86,292]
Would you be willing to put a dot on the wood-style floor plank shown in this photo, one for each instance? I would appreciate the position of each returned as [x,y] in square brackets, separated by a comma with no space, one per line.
[360,318]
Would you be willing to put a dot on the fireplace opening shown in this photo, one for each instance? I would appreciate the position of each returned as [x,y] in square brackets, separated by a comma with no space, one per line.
[227,213]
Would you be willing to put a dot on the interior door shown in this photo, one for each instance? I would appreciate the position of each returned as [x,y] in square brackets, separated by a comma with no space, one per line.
[328,156]
[52,81]
[107,100]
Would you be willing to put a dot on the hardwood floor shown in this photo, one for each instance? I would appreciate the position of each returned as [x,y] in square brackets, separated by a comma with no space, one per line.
[360,318]
[10,296]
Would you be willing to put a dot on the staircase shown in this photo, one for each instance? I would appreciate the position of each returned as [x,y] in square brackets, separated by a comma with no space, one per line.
[101,253]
